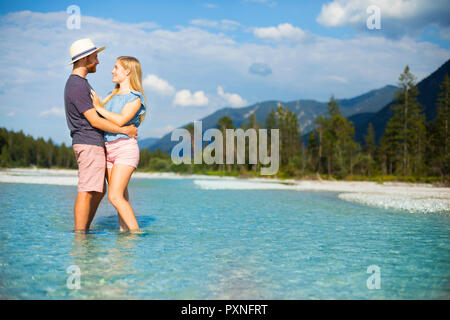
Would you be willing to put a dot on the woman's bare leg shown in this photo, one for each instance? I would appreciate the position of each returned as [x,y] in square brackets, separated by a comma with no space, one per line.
[123,226]
[118,181]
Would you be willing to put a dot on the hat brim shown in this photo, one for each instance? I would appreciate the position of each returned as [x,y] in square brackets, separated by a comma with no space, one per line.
[86,54]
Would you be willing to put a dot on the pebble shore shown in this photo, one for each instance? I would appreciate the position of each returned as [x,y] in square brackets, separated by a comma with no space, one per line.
[412,197]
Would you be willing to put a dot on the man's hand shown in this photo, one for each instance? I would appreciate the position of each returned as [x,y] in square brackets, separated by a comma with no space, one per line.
[130,131]
[100,123]
[98,108]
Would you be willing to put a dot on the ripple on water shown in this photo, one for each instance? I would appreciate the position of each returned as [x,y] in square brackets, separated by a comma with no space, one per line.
[219,244]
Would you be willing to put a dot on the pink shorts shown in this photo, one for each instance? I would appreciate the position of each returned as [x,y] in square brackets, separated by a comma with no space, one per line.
[91,167]
[122,151]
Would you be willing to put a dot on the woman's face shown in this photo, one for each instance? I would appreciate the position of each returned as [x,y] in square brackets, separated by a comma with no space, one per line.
[119,73]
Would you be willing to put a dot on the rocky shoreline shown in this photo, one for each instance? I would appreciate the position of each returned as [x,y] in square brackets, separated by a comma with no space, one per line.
[413,197]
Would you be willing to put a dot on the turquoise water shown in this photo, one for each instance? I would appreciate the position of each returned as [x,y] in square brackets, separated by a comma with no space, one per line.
[219,244]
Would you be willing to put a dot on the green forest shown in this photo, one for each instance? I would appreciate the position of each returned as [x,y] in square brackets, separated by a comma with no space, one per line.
[411,149]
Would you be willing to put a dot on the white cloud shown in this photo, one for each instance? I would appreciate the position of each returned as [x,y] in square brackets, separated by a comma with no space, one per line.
[185,98]
[398,17]
[284,31]
[158,85]
[261,69]
[54,111]
[146,25]
[233,99]
[11,114]
[204,23]
[445,33]
[192,57]
[224,24]
[338,79]
[267,2]
[162,131]
[229,24]
[210,5]
[342,12]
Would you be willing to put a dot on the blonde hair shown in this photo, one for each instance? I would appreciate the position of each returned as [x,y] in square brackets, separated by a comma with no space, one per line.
[132,64]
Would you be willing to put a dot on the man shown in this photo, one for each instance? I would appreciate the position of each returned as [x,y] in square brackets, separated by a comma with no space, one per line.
[86,129]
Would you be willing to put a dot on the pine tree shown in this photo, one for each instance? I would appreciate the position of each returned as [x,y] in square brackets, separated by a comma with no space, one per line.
[336,140]
[322,125]
[312,152]
[405,135]
[443,116]
[369,149]
[251,124]
[222,124]
[290,134]
[333,108]
[440,140]
[271,121]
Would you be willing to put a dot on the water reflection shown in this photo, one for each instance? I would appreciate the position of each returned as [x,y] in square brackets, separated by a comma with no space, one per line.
[106,262]
[111,223]
[203,244]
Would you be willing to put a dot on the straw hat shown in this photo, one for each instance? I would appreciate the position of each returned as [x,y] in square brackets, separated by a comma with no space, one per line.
[82,48]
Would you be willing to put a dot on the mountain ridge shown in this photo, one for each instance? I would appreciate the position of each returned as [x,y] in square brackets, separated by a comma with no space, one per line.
[429,88]
[307,110]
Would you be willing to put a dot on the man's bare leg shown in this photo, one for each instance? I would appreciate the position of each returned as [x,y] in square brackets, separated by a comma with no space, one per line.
[95,201]
[82,210]
[86,206]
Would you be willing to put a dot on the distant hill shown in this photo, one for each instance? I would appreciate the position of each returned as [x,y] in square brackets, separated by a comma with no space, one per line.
[306,110]
[428,92]
[147,142]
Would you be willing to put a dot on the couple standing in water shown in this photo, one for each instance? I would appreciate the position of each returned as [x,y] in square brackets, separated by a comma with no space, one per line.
[104,134]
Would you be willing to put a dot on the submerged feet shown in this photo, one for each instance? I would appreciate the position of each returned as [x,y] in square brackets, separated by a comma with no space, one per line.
[126,230]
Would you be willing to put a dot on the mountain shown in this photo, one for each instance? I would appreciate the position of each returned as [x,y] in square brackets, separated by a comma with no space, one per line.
[428,93]
[306,110]
[147,142]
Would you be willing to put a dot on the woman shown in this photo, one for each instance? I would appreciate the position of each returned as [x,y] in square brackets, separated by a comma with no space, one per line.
[124,106]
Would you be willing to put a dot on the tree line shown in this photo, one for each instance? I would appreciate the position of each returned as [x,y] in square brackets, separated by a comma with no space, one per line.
[20,150]
[409,147]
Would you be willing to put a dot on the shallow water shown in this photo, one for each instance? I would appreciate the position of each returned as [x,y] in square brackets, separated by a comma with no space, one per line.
[219,244]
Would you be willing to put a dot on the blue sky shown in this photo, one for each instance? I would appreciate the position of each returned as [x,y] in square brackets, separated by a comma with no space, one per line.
[168,14]
[173,12]
[200,56]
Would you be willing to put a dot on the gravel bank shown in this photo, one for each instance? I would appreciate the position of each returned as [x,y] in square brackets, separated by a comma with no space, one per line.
[404,196]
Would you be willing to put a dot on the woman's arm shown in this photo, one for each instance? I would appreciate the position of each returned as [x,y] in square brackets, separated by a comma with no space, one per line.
[97,122]
[120,119]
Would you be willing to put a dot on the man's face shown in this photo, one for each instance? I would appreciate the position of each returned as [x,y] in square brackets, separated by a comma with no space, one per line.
[92,63]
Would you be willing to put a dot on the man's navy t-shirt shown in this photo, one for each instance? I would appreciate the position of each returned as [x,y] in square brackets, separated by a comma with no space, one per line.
[77,98]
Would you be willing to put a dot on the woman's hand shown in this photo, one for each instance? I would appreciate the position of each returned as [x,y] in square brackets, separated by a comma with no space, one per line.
[95,99]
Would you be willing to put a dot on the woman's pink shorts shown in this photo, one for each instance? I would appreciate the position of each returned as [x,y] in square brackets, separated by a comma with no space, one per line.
[122,151]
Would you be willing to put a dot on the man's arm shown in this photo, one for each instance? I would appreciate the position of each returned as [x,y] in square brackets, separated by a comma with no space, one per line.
[97,122]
